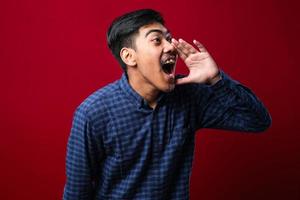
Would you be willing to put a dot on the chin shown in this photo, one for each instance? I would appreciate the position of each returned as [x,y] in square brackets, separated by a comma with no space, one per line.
[169,88]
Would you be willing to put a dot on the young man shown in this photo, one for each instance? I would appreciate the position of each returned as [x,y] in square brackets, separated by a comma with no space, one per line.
[134,139]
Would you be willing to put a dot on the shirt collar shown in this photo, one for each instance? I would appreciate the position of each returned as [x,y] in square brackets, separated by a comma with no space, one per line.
[138,100]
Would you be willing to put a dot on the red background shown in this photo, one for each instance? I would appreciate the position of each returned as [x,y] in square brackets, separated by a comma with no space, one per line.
[53,54]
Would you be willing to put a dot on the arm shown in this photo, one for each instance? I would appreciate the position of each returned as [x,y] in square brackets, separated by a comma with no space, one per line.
[224,104]
[232,106]
[83,156]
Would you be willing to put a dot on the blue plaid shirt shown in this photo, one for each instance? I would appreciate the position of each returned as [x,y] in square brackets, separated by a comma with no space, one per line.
[120,148]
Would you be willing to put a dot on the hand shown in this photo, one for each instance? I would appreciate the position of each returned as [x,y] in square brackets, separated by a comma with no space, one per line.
[202,67]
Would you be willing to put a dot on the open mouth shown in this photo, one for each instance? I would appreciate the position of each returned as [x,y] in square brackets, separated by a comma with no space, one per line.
[168,65]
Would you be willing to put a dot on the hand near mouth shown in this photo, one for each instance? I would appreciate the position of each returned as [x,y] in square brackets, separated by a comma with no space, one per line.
[202,67]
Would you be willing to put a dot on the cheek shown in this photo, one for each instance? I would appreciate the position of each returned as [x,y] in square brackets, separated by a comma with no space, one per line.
[150,59]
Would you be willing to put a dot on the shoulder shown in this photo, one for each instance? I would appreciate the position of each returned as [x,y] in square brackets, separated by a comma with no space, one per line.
[95,105]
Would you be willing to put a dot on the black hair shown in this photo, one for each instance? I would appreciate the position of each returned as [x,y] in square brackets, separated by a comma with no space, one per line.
[123,29]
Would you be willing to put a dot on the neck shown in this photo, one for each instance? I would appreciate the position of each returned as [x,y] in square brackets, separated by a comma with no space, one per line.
[143,88]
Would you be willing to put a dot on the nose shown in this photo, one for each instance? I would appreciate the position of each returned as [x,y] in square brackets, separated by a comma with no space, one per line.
[168,47]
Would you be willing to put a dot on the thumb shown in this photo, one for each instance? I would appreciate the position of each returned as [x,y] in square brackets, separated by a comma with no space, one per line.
[182,81]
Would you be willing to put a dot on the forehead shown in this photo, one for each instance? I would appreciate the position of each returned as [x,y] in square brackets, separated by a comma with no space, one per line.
[155,27]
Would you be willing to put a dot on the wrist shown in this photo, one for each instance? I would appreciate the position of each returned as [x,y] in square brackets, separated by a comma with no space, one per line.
[215,79]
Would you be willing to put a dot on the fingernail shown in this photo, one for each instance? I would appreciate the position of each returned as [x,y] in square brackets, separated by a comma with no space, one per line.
[174,41]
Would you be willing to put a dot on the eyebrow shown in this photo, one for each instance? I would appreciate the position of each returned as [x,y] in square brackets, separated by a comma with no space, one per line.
[158,31]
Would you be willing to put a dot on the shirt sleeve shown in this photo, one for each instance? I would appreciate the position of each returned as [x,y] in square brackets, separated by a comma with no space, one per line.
[83,157]
[231,106]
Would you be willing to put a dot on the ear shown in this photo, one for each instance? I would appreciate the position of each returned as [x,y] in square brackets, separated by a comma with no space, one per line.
[128,56]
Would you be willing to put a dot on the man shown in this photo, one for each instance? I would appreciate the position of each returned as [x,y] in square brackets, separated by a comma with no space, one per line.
[134,138]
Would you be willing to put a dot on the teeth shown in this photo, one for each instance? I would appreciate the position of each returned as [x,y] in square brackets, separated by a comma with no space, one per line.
[170,61]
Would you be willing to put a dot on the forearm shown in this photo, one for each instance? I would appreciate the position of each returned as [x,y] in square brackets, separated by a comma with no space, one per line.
[233,106]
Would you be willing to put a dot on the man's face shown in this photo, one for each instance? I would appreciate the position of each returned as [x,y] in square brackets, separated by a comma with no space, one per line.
[155,57]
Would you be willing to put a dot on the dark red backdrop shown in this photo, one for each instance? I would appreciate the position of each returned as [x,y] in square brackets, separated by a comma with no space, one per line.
[53,54]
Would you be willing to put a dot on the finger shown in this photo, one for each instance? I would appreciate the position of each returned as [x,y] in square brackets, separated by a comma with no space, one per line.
[200,46]
[184,48]
[182,55]
[179,47]
[187,46]
[184,80]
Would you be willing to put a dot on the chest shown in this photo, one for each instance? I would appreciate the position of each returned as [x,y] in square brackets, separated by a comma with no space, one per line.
[134,134]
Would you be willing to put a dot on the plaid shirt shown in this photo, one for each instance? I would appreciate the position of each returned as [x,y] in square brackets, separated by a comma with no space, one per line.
[120,148]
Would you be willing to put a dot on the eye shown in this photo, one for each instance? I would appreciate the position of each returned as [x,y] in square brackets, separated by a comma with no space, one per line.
[169,39]
[157,40]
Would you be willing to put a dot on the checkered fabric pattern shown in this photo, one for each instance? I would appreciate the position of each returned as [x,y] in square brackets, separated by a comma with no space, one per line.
[120,148]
